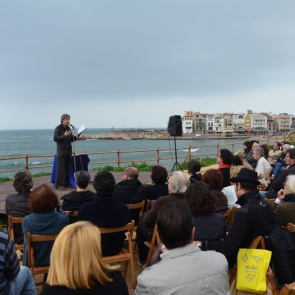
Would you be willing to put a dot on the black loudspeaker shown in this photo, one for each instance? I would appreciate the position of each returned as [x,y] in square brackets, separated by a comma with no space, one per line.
[175,125]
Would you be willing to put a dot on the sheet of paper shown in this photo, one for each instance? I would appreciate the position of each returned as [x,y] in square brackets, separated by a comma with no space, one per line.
[81,129]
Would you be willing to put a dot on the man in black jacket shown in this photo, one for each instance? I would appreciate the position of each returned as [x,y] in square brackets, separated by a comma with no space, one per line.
[63,137]
[254,218]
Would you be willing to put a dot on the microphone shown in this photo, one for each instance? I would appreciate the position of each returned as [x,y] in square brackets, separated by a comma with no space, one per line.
[72,126]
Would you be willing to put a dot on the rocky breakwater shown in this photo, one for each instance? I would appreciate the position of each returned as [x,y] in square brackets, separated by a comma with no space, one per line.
[130,135]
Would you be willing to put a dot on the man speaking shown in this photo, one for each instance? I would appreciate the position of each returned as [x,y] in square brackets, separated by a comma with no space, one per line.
[63,137]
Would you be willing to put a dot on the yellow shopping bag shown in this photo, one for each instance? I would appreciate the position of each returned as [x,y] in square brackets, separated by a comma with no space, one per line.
[252,265]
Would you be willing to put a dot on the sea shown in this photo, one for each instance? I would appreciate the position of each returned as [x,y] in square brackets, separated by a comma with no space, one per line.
[36,142]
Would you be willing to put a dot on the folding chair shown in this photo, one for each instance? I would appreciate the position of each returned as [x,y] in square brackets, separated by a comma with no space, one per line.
[36,270]
[72,215]
[151,245]
[125,255]
[288,289]
[139,207]
[12,220]
[229,216]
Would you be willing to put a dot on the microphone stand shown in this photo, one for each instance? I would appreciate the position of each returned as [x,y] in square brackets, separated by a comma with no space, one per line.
[75,169]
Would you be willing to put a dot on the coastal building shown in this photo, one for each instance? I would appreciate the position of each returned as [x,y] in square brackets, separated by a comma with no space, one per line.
[238,123]
[200,123]
[211,123]
[188,122]
[224,123]
[284,122]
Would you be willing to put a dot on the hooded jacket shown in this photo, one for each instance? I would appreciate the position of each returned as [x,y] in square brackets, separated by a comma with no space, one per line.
[48,223]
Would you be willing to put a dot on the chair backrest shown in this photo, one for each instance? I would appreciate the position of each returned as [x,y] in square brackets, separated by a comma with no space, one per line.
[125,255]
[291,227]
[229,216]
[151,245]
[137,206]
[270,201]
[70,213]
[31,255]
[11,221]
[288,289]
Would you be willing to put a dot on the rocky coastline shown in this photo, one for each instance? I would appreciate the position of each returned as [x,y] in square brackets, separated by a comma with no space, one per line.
[154,135]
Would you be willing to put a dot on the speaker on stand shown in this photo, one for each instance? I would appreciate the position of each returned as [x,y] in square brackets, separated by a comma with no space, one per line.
[175,129]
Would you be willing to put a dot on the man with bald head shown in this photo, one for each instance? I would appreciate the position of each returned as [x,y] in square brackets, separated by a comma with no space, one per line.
[130,190]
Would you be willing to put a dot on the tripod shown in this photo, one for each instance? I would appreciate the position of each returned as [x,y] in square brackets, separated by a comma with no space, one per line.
[176,164]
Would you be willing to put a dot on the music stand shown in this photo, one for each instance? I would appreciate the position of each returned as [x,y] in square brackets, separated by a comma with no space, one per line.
[176,164]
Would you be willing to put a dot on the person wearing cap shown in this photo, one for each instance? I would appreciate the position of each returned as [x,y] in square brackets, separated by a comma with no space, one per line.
[63,137]
[255,217]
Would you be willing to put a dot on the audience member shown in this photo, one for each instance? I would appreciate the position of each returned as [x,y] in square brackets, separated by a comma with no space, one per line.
[230,191]
[43,220]
[194,171]
[130,190]
[241,155]
[274,154]
[184,269]
[14,279]
[159,188]
[262,166]
[247,149]
[254,218]
[225,160]
[177,185]
[213,178]
[17,205]
[75,199]
[106,211]
[265,149]
[278,183]
[77,267]
[281,164]
[284,205]
[210,226]
[252,161]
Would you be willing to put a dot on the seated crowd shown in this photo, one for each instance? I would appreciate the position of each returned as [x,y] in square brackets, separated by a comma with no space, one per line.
[195,247]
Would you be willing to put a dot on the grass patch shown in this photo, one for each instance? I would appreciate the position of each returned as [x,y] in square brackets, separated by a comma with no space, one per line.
[6,179]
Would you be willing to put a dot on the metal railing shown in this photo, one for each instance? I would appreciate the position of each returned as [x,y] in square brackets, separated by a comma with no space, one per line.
[117,155]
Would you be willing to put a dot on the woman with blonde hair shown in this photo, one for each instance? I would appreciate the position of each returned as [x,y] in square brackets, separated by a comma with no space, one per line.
[76,265]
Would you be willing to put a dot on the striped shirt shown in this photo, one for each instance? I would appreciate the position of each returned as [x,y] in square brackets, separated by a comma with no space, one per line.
[9,263]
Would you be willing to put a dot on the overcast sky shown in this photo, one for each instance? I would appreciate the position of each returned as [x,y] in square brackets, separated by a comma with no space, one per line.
[118,63]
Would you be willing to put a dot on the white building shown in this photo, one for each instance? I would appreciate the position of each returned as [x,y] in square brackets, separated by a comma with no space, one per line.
[188,123]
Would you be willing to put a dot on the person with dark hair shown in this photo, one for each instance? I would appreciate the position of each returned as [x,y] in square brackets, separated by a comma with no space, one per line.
[194,171]
[63,137]
[183,268]
[14,279]
[254,218]
[130,190]
[265,150]
[43,220]
[75,199]
[274,154]
[278,183]
[159,187]
[240,154]
[17,205]
[247,149]
[106,211]
[251,160]
[210,226]
[237,161]
[225,160]
[214,179]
